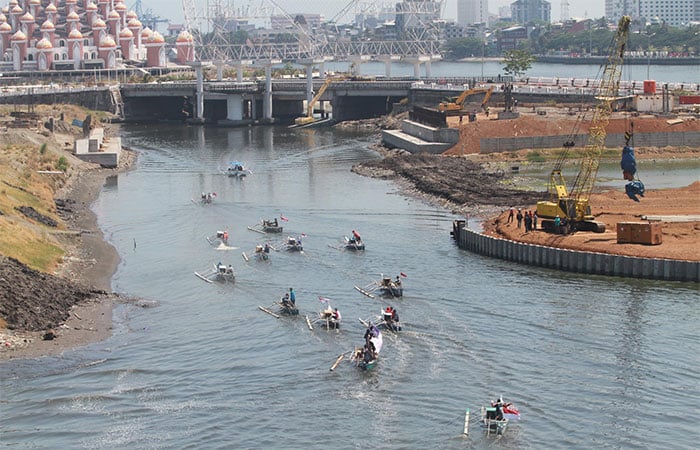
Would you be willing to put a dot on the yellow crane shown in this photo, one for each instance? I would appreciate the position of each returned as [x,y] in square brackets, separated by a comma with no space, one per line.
[458,102]
[309,118]
[571,206]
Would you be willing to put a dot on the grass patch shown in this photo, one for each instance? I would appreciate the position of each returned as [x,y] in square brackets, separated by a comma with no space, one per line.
[28,246]
[536,157]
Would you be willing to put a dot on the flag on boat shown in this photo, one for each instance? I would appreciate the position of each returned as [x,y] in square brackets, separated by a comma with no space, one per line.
[324,299]
[303,234]
[403,275]
[284,219]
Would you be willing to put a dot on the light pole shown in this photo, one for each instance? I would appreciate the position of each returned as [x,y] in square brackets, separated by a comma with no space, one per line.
[649,35]
[483,51]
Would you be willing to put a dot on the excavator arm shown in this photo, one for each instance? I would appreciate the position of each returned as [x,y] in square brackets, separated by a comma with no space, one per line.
[458,103]
[309,118]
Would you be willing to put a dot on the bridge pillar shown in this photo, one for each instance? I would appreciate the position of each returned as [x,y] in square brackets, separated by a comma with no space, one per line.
[309,66]
[199,94]
[219,70]
[387,60]
[234,107]
[356,64]
[416,64]
[239,68]
[267,95]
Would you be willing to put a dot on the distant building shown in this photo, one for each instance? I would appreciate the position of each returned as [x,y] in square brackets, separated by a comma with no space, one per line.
[470,12]
[287,22]
[675,13]
[527,11]
[511,38]
[71,34]
[614,9]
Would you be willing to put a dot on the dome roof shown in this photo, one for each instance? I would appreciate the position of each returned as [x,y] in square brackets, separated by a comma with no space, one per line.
[5,27]
[75,34]
[51,8]
[126,33]
[27,18]
[99,23]
[134,23]
[44,44]
[71,2]
[73,16]
[156,38]
[113,15]
[131,15]
[19,36]
[47,25]
[185,36]
[120,7]
[35,2]
[107,41]
[146,33]
[13,3]
[17,10]
[91,7]
[3,18]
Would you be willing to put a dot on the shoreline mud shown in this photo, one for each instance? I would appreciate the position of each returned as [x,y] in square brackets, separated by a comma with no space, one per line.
[89,261]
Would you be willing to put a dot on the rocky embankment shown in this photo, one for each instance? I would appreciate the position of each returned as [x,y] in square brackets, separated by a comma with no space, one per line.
[455,183]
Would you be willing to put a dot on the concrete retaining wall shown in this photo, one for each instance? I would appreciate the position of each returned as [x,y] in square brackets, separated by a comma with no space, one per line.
[679,139]
[575,261]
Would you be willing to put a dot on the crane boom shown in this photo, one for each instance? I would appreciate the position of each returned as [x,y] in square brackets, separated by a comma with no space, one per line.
[572,205]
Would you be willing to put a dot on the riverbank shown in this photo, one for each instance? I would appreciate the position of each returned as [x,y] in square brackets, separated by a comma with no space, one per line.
[485,188]
[66,304]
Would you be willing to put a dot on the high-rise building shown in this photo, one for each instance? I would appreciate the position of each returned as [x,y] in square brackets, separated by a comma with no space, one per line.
[470,12]
[526,11]
[614,9]
[675,13]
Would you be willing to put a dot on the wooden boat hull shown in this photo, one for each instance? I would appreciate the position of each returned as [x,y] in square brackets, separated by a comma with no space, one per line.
[390,291]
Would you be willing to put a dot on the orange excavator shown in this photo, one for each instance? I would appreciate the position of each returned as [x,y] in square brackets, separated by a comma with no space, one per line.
[457,103]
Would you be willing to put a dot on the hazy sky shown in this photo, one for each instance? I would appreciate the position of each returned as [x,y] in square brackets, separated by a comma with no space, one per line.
[172,9]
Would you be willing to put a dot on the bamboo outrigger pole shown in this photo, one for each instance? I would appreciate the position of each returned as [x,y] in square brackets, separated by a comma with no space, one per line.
[337,361]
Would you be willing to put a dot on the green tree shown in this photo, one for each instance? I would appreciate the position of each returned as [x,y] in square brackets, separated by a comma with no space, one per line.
[517,62]
[465,48]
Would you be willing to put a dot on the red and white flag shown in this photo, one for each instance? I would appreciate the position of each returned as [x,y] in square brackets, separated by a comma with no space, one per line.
[284,219]
[324,299]
[403,275]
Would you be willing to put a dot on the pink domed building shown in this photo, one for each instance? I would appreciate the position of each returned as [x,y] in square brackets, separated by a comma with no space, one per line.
[155,50]
[80,34]
[185,47]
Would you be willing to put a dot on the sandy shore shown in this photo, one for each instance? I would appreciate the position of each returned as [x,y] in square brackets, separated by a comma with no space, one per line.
[89,260]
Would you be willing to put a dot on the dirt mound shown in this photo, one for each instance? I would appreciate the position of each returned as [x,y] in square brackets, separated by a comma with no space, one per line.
[34,301]
[456,180]
[556,123]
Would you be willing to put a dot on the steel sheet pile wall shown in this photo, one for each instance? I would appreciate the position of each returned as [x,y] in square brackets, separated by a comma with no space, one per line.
[575,261]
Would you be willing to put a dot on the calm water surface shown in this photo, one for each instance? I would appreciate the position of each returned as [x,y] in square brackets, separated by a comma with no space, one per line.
[592,362]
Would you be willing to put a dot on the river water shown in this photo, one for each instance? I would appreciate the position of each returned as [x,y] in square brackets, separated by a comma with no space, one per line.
[491,67]
[592,362]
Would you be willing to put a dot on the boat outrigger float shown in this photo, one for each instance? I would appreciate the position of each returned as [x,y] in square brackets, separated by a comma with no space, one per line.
[385,287]
[221,272]
[267,226]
